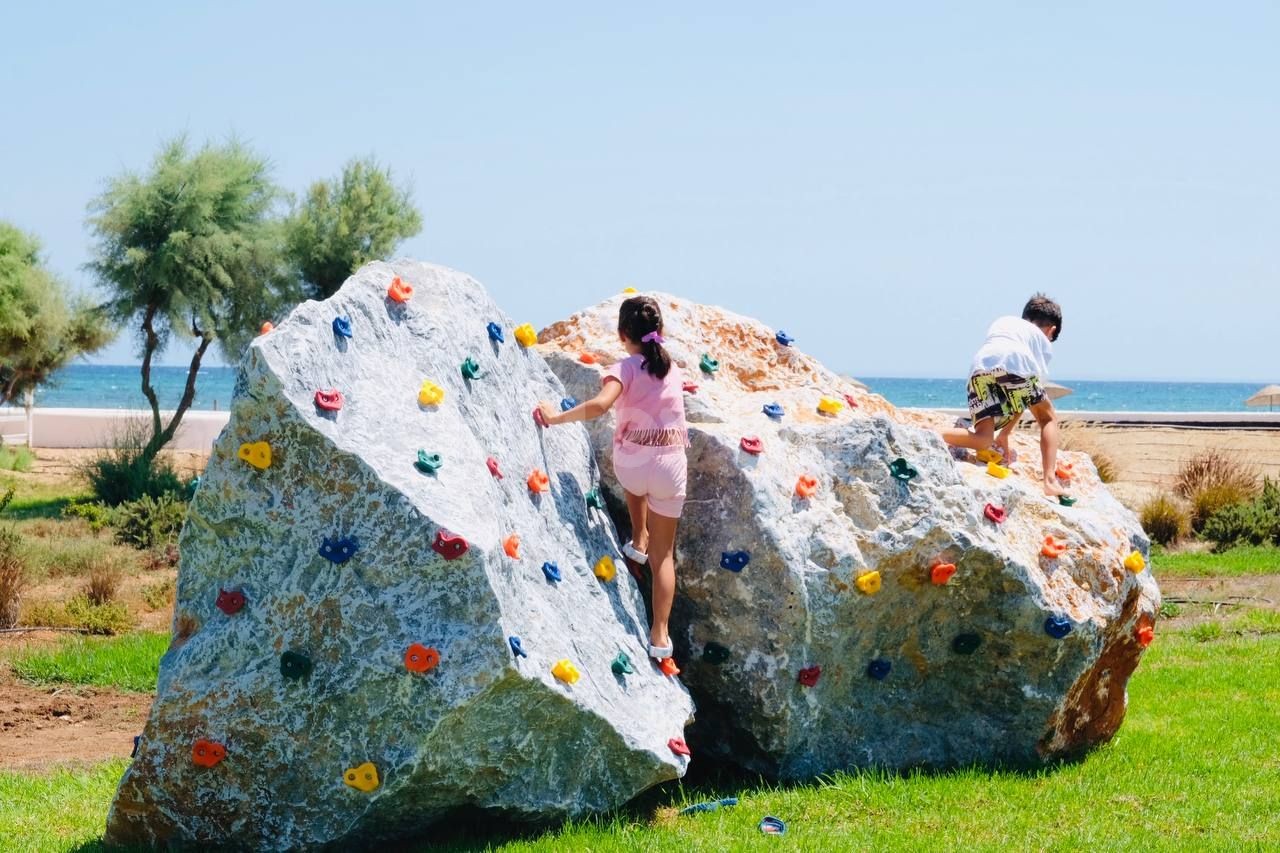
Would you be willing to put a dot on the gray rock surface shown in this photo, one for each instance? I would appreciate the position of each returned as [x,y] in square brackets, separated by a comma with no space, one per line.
[484,728]
[743,638]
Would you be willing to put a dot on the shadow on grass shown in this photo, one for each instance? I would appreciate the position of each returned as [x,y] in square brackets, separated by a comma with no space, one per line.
[25,510]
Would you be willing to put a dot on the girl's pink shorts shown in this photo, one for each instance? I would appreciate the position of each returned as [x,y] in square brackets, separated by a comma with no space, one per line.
[657,473]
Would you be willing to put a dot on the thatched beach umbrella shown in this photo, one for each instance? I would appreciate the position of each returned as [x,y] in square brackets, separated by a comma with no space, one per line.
[1053,390]
[1268,397]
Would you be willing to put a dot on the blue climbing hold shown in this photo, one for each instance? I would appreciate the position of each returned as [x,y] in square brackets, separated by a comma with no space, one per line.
[735,561]
[771,825]
[773,410]
[709,806]
[137,739]
[879,669]
[295,665]
[495,333]
[966,644]
[339,550]
[516,648]
[785,339]
[552,571]
[568,403]
[342,326]
[1057,627]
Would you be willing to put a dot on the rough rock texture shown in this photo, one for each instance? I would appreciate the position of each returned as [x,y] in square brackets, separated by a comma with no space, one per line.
[483,728]
[748,641]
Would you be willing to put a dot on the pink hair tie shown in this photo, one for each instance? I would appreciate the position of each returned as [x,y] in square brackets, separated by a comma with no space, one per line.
[653,338]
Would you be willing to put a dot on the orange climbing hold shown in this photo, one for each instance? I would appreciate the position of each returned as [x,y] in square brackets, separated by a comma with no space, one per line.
[1145,634]
[420,658]
[207,753]
[587,358]
[512,546]
[399,291]
[1053,547]
[668,667]
[539,482]
[1065,471]
[941,572]
[266,327]
[806,486]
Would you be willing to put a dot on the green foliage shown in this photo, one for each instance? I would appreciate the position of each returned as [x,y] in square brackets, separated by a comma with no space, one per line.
[124,472]
[1164,520]
[110,618]
[130,662]
[58,810]
[1214,479]
[1256,522]
[1210,500]
[95,513]
[1205,631]
[42,326]
[343,224]
[1239,561]
[7,497]
[159,595]
[15,458]
[149,522]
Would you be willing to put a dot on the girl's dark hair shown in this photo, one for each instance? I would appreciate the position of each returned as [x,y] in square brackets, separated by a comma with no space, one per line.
[640,316]
[1043,311]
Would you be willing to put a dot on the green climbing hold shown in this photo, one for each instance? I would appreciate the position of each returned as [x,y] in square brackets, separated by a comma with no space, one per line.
[594,500]
[1066,501]
[471,368]
[295,665]
[428,463]
[708,364]
[715,654]
[902,470]
[966,644]
[622,665]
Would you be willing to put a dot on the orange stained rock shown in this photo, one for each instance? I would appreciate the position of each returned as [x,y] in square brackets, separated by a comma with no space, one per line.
[511,545]
[207,753]
[420,658]
[941,572]
[564,670]
[399,291]
[1053,547]
[605,569]
[668,667]
[807,486]
[362,778]
[868,582]
[538,481]
[257,454]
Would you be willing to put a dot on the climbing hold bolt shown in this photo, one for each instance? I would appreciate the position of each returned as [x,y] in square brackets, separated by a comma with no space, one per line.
[1134,562]
[879,669]
[995,469]
[689,387]
[995,514]
[679,747]
[342,326]
[207,753]
[525,335]
[295,665]
[1066,500]
[752,444]
[587,358]
[257,454]
[605,569]
[1145,634]
[428,463]
[495,333]
[492,464]
[420,658]
[1057,626]
[708,364]
[966,644]
[715,654]
[1053,547]
[734,561]
[399,291]
[809,675]
[266,327]
[339,549]
[230,602]
[901,469]
[868,582]
[668,667]
[771,825]
[511,545]
[941,572]
[568,403]
[830,406]
[564,670]
[471,368]
[430,393]
[784,339]
[622,665]
[551,570]
[806,486]
[362,778]
[594,500]
[773,410]
[517,648]
[538,481]
[451,546]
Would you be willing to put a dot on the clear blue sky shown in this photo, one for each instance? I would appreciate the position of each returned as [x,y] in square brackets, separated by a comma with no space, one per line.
[881,181]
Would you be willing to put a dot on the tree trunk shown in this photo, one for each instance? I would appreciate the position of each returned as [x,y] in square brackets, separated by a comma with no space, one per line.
[150,342]
[165,435]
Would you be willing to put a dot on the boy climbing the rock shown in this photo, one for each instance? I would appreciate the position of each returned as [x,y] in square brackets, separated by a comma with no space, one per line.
[1006,379]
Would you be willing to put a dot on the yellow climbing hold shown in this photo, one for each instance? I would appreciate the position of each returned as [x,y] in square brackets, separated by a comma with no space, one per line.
[1134,562]
[995,469]
[990,456]
[363,778]
[628,290]
[526,335]
[565,671]
[830,406]
[257,454]
[869,582]
[430,393]
[605,569]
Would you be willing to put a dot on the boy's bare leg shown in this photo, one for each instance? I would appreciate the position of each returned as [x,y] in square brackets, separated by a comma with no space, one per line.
[980,438]
[1002,440]
[1047,418]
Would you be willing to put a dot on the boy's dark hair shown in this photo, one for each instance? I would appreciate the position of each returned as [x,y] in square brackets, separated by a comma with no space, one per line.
[640,316]
[1043,311]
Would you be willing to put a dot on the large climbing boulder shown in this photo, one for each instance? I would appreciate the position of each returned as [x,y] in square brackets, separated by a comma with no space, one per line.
[360,646]
[844,595]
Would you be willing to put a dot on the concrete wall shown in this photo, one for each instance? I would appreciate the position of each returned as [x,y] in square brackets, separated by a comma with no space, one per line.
[98,427]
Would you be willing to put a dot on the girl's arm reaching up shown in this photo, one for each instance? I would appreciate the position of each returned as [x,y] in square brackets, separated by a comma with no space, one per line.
[587,411]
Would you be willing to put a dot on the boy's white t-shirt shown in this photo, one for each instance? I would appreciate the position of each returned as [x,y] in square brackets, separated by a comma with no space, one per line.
[1017,346]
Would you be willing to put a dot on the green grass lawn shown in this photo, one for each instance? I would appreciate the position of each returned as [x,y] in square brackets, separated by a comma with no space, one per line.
[1196,765]
[1243,560]
[39,500]
[128,662]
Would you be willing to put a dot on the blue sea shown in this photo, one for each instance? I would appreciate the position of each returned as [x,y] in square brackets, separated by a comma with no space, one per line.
[117,387]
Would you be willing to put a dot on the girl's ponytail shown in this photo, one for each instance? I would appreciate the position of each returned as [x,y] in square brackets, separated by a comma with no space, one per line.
[640,320]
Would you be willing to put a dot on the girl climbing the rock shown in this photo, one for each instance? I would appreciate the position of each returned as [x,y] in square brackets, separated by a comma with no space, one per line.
[649,444]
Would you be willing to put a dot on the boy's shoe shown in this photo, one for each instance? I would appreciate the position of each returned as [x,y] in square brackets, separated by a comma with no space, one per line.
[635,554]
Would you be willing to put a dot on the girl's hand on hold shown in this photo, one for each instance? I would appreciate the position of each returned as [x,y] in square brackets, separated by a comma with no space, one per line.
[550,413]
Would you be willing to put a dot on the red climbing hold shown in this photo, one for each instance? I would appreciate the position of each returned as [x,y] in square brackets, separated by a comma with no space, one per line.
[848,398]
[1053,547]
[511,545]
[207,753]
[1145,634]
[539,481]
[420,658]
[451,546]
[995,513]
[806,486]
[399,291]
[493,467]
[809,675]
[230,603]
[690,387]
[752,444]
[941,572]
[679,747]
[538,418]
[329,401]
[668,667]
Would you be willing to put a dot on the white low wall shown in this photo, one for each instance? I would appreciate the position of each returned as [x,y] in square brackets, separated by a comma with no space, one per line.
[98,427]
[1211,420]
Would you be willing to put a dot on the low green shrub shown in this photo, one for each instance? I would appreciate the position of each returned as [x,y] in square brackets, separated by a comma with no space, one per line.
[98,515]
[1256,522]
[122,473]
[7,497]
[1213,468]
[149,522]
[1164,520]
[79,612]
[1212,499]
[159,595]
[15,458]
[131,662]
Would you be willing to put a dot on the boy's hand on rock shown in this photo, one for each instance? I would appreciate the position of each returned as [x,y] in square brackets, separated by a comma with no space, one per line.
[550,413]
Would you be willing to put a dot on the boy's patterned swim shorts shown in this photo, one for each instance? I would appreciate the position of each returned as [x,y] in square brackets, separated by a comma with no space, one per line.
[1003,396]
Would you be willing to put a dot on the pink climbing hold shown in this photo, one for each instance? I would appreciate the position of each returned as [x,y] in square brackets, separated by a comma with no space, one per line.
[848,398]
[679,747]
[809,675]
[995,513]
[752,444]
[690,387]
[493,467]
[329,401]
[538,418]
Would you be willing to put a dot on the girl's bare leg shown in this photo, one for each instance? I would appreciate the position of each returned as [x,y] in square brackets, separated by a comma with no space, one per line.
[662,544]
[638,509]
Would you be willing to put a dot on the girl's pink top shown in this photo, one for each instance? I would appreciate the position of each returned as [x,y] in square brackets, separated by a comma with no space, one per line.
[650,411]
